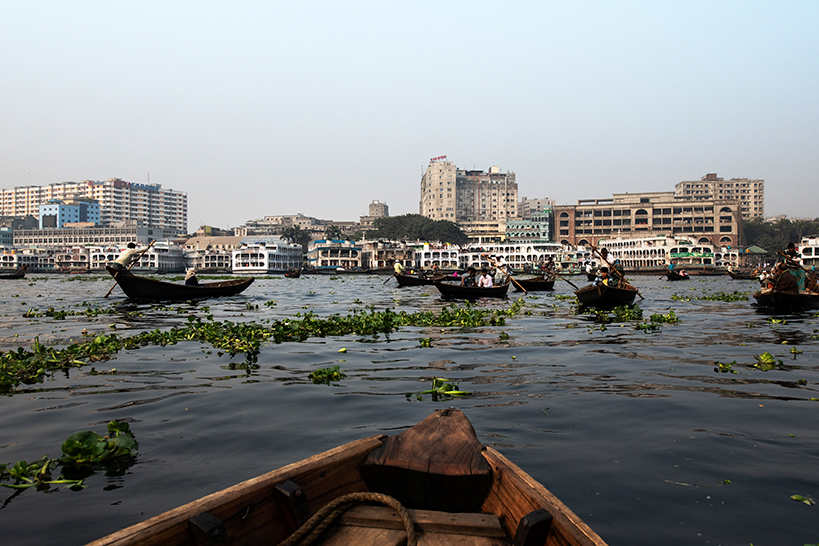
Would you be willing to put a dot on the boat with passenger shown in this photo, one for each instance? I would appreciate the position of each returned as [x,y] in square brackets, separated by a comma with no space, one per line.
[142,288]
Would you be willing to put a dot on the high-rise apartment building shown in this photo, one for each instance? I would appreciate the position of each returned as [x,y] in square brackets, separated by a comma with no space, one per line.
[119,201]
[458,195]
[750,193]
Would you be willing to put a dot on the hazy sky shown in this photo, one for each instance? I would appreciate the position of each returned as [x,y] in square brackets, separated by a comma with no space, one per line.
[267,108]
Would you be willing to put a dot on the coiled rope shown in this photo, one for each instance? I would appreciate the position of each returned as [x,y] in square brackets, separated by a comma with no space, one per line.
[312,528]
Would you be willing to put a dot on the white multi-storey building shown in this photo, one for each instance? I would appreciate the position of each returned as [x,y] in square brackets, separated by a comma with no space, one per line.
[119,201]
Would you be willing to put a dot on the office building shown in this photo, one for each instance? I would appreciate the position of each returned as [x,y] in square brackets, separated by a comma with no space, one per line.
[59,214]
[648,214]
[749,192]
[119,201]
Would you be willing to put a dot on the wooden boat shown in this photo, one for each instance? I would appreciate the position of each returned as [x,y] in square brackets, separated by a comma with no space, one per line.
[440,485]
[743,274]
[19,274]
[458,291]
[293,274]
[140,288]
[415,280]
[534,284]
[606,297]
[674,276]
[591,276]
[774,299]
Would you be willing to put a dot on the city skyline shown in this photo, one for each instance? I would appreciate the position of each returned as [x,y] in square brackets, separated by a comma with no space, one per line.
[266,108]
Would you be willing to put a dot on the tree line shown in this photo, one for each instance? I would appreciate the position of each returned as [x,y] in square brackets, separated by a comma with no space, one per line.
[773,236]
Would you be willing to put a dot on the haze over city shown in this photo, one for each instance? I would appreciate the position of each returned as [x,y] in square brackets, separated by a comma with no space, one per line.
[266,108]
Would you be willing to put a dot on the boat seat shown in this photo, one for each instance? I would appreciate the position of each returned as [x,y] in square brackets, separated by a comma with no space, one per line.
[381,526]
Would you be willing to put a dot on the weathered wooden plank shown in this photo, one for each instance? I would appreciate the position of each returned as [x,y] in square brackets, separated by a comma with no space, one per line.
[426,521]
[249,509]
[515,493]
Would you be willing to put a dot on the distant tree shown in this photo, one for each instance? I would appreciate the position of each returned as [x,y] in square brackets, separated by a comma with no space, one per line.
[296,235]
[413,227]
[776,236]
[333,232]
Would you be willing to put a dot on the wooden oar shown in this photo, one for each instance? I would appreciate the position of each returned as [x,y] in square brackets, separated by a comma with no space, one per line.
[391,276]
[496,264]
[611,267]
[130,266]
[561,277]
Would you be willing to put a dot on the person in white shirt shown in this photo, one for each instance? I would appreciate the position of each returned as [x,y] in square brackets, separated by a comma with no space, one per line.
[486,280]
[128,256]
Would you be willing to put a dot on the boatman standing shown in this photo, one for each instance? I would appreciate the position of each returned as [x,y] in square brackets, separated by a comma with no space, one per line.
[793,258]
[128,256]
[398,267]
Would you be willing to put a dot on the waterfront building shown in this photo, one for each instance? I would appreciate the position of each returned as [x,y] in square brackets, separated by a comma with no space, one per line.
[459,195]
[35,259]
[58,213]
[655,253]
[749,192]
[333,254]
[384,254]
[629,215]
[537,227]
[262,255]
[211,254]
[119,201]
[809,248]
[118,234]
[6,237]
[445,256]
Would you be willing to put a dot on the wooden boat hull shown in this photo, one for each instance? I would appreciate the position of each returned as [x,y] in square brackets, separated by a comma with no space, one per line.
[742,275]
[19,274]
[293,274]
[140,288]
[535,284]
[457,291]
[787,300]
[674,276]
[605,297]
[414,280]
[269,508]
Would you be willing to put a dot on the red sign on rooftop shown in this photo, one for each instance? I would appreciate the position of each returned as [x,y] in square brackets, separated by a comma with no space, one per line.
[439,158]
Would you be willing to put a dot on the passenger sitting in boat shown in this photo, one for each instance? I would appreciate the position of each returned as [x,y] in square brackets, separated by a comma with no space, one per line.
[190,278]
[602,277]
[486,280]
[784,281]
[128,256]
[683,273]
[469,278]
[794,263]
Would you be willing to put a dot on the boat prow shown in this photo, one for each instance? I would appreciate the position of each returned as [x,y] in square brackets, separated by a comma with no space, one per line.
[445,485]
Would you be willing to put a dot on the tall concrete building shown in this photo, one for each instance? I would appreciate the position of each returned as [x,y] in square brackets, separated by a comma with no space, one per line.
[458,195]
[119,201]
[750,193]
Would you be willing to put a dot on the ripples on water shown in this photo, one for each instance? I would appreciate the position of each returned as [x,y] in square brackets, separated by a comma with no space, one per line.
[634,430]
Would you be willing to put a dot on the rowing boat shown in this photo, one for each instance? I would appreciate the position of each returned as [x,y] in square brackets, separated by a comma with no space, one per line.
[674,276]
[775,299]
[743,274]
[141,288]
[18,274]
[434,483]
[461,292]
[534,284]
[606,297]
[414,280]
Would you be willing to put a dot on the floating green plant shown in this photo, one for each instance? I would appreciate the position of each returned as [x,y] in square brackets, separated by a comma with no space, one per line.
[723,367]
[82,450]
[442,389]
[766,361]
[324,376]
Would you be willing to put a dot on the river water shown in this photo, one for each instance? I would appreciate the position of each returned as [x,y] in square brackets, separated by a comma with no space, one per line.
[634,430]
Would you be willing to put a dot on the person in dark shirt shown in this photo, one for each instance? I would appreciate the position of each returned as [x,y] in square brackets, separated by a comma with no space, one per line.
[784,281]
[469,278]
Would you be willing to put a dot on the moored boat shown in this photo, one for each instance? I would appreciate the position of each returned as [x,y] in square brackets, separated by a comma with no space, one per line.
[743,274]
[19,274]
[293,274]
[459,291]
[775,299]
[141,288]
[604,296]
[440,485]
[534,284]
